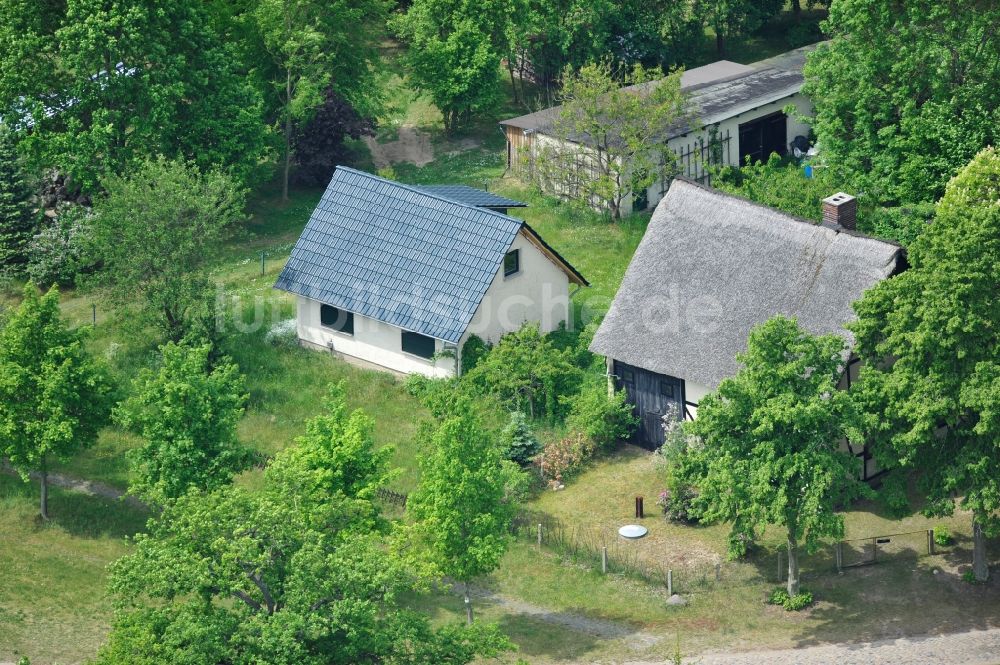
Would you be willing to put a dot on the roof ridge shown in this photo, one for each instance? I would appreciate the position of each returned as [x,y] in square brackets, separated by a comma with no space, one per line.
[415,189]
[795,218]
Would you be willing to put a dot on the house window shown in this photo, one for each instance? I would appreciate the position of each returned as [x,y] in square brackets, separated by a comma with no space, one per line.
[336,319]
[512,263]
[667,389]
[418,345]
[628,376]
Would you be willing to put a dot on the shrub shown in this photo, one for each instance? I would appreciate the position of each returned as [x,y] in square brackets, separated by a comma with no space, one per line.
[970,577]
[604,419]
[440,396]
[473,351]
[677,503]
[527,373]
[517,440]
[902,223]
[799,601]
[942,535]
[778,596]
[60,251]
[561,458]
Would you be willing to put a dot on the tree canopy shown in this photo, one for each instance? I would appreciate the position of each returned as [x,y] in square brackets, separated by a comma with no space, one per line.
[155,231]
[17,217]
[460,510]
[769,440]
[610,138]
[315,45]
[454,53]
[186,411]
[291,573]
[932,408]
[114,82]
[905,93]
[54,398]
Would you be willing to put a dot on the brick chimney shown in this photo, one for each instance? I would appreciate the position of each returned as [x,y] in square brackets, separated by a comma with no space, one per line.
[840,210]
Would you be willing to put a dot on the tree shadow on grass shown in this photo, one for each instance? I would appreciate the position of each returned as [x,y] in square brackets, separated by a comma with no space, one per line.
[898,598]
[535,637]
[78,514]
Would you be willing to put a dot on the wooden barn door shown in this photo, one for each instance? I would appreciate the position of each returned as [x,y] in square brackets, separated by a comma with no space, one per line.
[652,396]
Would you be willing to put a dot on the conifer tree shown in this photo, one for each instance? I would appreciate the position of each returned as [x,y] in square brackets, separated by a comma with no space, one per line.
[17,221]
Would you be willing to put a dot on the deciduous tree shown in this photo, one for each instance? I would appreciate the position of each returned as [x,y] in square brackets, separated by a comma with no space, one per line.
[933,406]
[610,140]
[115,81]
[317,44]
[526,371]
[769,441]
[460,512]
[155,232]
[186,411]
[285,575]
[905,93]
[733,18]
[452,55]
[53,398]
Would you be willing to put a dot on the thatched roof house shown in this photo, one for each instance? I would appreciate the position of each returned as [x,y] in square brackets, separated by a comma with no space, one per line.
[711,267]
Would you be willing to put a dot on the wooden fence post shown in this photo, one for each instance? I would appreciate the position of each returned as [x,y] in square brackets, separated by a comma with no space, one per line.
[604,560]
[670,582]
[840,557]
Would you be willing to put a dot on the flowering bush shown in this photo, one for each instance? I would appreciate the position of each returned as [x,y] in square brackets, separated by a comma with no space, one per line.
[676,502]
[59,252]
[561,458]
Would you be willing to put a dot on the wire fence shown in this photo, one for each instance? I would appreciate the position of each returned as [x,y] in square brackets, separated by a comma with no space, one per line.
[603,549]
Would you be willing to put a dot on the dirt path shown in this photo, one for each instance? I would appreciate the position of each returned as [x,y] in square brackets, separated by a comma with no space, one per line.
[977,647]
[83,486]
[607,630]
[412,146]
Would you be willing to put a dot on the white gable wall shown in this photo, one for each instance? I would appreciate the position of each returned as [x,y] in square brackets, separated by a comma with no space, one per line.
[538,292]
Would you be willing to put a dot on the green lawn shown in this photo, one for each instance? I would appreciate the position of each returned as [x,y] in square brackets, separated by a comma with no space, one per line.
[53,608]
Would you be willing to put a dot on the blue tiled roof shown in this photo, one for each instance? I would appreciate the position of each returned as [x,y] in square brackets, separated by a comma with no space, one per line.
[479,198]
[398,254]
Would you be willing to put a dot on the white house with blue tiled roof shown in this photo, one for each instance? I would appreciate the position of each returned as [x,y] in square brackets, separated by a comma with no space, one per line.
[399,277]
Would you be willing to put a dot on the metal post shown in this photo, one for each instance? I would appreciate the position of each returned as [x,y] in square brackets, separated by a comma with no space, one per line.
[930,541]
[539,536]
[262,264]
[93,313]
[840,557]
[874,550]
[670,582]
[781,571]
[604,560]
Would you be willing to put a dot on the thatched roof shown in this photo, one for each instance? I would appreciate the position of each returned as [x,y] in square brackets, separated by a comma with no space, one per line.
[712,266]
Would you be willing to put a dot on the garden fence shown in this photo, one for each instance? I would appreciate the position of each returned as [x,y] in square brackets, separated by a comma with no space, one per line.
[603,549]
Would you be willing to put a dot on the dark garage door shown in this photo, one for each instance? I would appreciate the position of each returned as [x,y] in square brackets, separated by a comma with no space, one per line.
[760,137]
[652,396]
